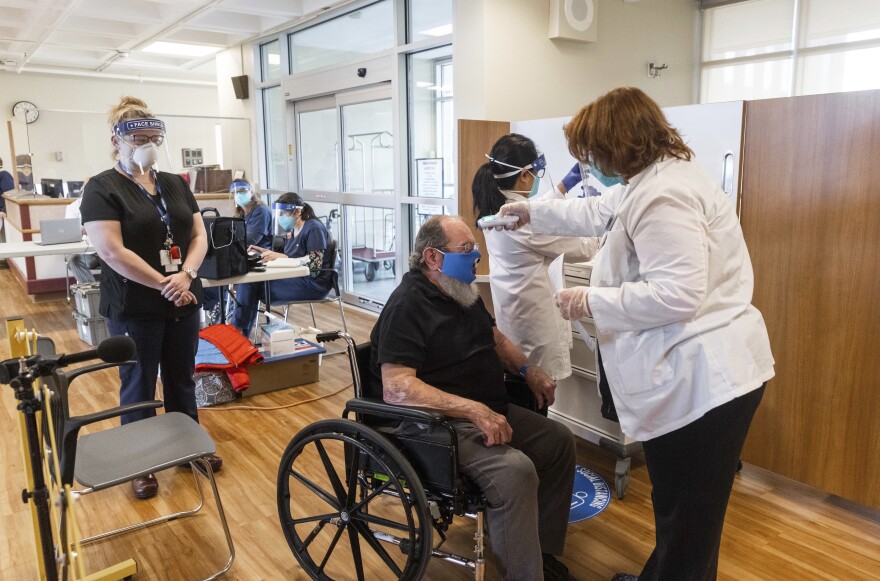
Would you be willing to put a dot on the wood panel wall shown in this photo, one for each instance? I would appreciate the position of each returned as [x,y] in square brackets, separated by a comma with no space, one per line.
[475,139]
[811,218]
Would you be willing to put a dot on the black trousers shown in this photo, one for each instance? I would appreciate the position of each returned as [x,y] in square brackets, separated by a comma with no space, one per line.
[173,344]
[692,471]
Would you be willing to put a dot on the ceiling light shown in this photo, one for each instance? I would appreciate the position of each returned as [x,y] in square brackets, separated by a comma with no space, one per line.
[438,30]
[180,49]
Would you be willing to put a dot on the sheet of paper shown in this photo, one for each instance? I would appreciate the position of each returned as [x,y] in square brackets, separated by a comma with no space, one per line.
[286,262]
[557,282]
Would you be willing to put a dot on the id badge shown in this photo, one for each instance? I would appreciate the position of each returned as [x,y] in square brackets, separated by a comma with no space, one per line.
[168,262]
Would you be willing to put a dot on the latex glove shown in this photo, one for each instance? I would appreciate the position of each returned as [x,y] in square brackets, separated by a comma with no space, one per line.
[572,302]
[541,385]
[520,209]
[573,178]
[494,426]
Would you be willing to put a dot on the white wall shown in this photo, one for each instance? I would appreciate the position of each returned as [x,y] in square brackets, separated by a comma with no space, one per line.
[73,120]
[506,67]
[232,63]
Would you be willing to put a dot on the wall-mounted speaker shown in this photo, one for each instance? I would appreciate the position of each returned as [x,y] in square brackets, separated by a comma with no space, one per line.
[574,20]
[240,86]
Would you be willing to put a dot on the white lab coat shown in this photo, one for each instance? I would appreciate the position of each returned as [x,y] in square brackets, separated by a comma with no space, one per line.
[671,293]
[524,308]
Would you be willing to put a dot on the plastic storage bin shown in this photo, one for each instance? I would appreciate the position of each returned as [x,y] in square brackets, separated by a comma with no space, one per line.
[88,298]
[92,330]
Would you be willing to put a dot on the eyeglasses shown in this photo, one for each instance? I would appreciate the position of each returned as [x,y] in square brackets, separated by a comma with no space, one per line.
[539,173]
[464,249]
[138,139]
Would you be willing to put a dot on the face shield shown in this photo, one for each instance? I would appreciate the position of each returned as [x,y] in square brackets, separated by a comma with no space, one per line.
[242,193]
[536,168]
[285,217]
[139,142]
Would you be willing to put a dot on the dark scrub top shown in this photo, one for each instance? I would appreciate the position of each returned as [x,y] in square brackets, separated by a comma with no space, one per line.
[7,183]
[113,196]
[258,224]
[450,347]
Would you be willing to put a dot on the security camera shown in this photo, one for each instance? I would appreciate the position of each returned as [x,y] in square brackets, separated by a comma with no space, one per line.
[362,72]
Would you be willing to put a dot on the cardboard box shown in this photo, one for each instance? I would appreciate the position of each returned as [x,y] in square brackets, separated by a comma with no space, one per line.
[280,372]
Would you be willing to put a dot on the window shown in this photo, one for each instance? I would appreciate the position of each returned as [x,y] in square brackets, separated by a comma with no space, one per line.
[776,48]
[432,123]
[318,136]
[428,19]
[368,160]
[347,37]
[270,61]
[273,129]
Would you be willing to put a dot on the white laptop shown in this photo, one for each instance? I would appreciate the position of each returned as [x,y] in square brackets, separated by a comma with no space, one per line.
[60,231]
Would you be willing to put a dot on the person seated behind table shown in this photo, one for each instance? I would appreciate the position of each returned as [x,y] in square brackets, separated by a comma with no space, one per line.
[7,183]
[84,263]
[258,225]
[305,236]
[435,345]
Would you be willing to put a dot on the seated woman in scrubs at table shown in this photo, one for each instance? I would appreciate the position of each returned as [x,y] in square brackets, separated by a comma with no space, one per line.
[305,236]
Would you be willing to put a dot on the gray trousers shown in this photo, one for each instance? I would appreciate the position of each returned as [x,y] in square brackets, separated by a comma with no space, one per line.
[81,266]
[527,484]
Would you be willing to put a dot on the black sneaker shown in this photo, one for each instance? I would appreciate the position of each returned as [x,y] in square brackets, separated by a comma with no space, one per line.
[624,577]
[555,570]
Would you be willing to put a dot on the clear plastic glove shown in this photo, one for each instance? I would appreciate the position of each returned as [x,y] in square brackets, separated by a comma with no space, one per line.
[573,178]
[572,302]
[519,209]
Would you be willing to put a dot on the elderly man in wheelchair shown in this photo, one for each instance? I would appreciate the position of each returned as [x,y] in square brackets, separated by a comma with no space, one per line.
[446,440]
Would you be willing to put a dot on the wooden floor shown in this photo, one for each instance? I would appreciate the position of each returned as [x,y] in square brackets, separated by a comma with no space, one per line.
[775,529]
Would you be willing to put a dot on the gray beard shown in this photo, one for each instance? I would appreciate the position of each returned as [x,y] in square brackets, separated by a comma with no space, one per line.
[463,294]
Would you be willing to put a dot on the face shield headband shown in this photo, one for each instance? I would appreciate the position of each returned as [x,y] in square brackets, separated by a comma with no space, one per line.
[286,207]
[125,127]
[240,187]
[536,166]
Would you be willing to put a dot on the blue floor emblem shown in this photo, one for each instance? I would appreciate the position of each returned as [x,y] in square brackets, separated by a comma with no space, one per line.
[589,496]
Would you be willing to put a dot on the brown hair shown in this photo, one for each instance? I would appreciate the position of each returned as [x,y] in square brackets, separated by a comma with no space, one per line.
[624,131]
[126,109]
[238,211]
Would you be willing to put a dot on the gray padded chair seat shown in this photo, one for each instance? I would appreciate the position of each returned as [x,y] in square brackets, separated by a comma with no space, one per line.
[115,456]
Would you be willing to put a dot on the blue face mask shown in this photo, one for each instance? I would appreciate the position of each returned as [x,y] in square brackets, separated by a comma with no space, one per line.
[536,185]
[286,222]
[242,199]
[606,181]
[460,265]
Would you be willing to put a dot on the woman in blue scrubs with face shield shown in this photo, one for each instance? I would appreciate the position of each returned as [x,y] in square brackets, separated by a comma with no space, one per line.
[305,236]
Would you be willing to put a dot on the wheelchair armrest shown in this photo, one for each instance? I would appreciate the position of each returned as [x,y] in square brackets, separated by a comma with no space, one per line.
[378,408]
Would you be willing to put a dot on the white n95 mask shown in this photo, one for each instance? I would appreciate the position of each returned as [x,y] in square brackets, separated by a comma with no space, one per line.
[145,156]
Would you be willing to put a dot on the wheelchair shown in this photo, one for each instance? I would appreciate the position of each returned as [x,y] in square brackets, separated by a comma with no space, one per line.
[389,482]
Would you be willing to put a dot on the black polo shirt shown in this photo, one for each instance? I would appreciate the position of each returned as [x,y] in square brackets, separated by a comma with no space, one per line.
[112,196]
[450,347]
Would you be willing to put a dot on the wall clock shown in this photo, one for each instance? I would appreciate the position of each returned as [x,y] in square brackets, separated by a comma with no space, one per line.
[29,110]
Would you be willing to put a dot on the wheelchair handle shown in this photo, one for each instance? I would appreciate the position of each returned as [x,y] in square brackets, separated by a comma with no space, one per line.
[327,337]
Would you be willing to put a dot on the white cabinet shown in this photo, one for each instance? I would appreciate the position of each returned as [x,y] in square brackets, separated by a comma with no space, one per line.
[578,403]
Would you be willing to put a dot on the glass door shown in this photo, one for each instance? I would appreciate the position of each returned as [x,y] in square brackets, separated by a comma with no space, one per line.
[345,168]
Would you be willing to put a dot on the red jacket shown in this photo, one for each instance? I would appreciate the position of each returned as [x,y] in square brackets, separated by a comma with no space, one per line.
[236,348]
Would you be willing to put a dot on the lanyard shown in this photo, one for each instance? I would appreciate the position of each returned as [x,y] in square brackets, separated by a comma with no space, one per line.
[160,205]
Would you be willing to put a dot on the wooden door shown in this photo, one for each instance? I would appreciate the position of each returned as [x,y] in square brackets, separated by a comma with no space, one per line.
[811,218]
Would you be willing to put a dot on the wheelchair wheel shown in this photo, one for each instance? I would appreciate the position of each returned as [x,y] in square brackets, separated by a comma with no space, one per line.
[346,496]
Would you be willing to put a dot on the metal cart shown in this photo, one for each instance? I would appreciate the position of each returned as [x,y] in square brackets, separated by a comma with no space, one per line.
[373,241]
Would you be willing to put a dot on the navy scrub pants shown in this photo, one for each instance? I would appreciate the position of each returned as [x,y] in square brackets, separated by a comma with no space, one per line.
[173,344]
[692,471]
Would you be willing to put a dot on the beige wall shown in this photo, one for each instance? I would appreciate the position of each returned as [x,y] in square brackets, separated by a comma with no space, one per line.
[73,121]
[507,68]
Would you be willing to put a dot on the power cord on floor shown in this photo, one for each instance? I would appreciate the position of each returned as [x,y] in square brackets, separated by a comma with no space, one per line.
[272,408]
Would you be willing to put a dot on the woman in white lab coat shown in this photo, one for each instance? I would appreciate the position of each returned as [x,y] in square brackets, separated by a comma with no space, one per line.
[524,308]
[686,354]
